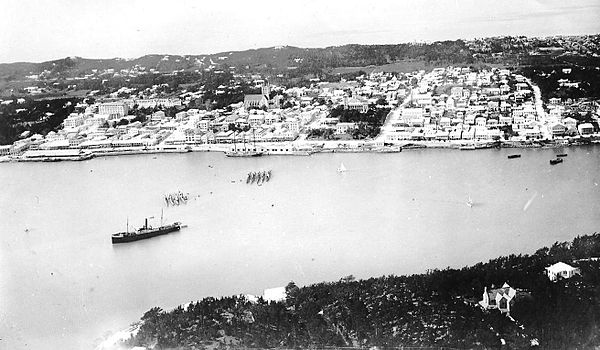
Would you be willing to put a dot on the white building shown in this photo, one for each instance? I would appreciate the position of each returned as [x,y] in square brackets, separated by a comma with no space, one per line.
[499,298]
[73,121]
[274,294]
[119,108]
[561,270]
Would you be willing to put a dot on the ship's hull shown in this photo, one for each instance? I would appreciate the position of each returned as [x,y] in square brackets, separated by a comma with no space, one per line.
[243,154]
[126,238]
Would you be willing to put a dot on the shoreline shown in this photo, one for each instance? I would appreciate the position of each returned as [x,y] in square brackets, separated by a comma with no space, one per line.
[326,146]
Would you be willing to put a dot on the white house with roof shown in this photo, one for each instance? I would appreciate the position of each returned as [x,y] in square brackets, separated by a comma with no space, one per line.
[561,270]
[74,120]
[585,129]
[557,129]
[274,294]
[498,298]
[343,128]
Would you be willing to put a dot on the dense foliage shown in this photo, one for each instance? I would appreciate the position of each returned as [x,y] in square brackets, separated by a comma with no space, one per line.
[368,124]
[548,78]
[434,309]
[36,116]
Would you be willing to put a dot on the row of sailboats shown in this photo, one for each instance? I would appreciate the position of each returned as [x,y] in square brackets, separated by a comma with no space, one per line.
[176,198]
[259,177]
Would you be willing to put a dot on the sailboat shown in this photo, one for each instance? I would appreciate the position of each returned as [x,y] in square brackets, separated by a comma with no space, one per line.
[245,152]
[470,202]
[341,168]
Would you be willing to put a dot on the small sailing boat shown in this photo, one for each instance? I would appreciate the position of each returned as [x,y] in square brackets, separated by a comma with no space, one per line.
[470,202]
[341,168]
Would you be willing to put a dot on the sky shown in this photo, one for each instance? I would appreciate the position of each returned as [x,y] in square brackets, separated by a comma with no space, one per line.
[36,30]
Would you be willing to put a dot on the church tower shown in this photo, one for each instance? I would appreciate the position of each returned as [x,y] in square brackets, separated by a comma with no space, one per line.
[266,90]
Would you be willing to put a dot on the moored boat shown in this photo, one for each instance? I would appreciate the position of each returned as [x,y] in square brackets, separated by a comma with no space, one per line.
[144,232]
[512,156]
[241,153]
[467,147]
[555,161]
[561,155]
[389,149]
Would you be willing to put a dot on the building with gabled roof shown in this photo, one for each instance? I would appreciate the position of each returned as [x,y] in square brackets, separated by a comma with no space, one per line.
[498,298]
[561,270]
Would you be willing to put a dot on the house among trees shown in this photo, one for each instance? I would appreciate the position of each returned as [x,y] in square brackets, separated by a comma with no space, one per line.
[561,270]
[498,298]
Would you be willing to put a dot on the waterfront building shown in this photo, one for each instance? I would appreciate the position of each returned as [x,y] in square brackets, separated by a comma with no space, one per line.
[561,270]
[74,120]
[5,150]
[585,129]
[557,129]
[343,128]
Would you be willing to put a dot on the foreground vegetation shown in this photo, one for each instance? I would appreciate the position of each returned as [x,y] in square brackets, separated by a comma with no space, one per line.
[434,309]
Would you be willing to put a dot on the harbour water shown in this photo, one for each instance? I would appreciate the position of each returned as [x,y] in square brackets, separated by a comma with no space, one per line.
[64,285]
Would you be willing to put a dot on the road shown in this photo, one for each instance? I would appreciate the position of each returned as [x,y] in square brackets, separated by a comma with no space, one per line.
[539,109]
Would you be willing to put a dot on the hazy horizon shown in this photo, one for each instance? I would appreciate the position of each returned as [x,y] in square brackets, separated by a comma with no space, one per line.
[37,31]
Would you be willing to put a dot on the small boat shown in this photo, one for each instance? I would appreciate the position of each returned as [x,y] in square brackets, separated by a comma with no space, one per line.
[341,168]
[470,202]
[260,178]
[249,177]
[268,175]
[555,161]
[389,149]
[467,147]
[561,155]
[512,156]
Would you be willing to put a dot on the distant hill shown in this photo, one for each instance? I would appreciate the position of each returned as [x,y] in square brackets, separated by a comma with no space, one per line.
[274,59]
[293,62]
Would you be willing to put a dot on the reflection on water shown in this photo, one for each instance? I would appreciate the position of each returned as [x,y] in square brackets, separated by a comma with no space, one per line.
[63,284]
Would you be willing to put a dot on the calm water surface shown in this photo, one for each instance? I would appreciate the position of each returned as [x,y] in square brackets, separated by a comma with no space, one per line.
[64,285]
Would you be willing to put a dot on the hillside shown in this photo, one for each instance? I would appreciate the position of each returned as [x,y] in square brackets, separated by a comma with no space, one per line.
[275,59]
[437,309]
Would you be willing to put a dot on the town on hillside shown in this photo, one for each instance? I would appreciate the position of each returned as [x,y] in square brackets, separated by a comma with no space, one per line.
[453,107]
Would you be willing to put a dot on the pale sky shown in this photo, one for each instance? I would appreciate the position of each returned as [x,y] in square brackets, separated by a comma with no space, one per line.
[36,30]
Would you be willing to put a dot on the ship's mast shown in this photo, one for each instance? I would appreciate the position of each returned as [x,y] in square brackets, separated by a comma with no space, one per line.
[161,217]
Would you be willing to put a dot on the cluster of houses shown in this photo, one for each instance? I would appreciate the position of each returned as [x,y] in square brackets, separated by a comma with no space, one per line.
[503,299]
[460,104]
[445,104]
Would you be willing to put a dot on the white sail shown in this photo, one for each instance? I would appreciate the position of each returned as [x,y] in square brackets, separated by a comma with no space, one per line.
[342,168]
